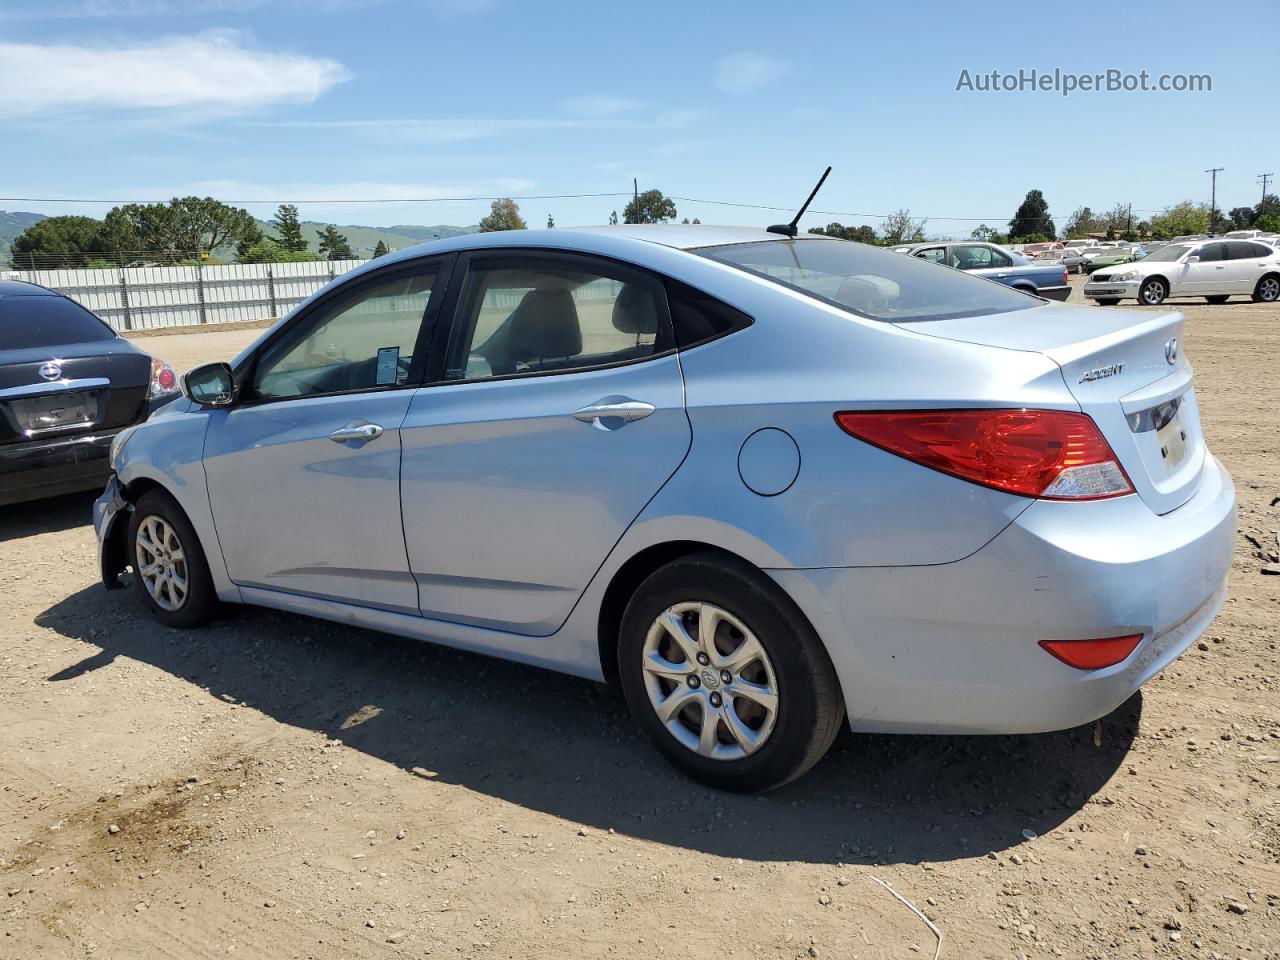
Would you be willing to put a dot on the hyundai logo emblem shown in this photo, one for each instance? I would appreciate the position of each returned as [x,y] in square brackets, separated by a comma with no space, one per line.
[50,370]
[1171,350]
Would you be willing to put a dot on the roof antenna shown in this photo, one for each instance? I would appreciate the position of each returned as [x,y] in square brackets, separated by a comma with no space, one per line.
[789,229]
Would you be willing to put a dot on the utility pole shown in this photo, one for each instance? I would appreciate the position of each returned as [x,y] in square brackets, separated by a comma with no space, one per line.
[1264,179]
[635,193]
[1213,196]
[1128,223]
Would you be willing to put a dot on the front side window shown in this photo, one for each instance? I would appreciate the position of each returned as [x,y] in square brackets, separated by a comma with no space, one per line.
[541,316]
[1212,252]
[873,283]
[363,341]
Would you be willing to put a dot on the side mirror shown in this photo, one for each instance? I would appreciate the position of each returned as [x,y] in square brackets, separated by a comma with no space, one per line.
[1193,259]
[211,385]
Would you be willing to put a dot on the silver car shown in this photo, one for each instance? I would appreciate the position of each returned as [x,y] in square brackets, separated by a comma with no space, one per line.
[768,485]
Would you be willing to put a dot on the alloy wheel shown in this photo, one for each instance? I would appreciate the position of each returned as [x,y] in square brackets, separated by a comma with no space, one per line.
[710,681]
[162,563]
[1153,292]
[1269,290]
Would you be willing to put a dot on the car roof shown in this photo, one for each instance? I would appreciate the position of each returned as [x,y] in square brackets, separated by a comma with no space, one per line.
[22,288]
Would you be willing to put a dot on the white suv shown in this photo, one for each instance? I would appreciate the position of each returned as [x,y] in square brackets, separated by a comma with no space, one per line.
[1213,269]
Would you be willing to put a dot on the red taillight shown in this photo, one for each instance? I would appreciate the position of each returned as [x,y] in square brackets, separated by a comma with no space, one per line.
[1052,454]
[1093,654]
[1065,274]
[163,380]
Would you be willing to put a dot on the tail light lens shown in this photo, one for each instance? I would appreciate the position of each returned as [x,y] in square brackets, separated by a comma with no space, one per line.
[1065,276]
[164,382]
[1052,454]
[1093,654]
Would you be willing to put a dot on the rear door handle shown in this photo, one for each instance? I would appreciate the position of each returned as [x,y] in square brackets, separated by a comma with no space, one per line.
[619,409]
[356,432]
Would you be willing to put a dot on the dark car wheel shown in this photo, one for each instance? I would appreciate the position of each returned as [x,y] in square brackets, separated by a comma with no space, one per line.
[1218,298]
[168,563]
[1153,292]
[1108,301]
[726,676]
[1268,289]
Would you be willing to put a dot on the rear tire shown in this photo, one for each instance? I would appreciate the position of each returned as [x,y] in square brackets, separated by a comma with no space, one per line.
[1153,292]
[169,565]
[1108,301]
[1218,298]
[1268,289]
[765,651]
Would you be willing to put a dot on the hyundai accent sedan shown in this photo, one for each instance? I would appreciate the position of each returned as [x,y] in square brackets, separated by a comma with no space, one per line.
[769,485]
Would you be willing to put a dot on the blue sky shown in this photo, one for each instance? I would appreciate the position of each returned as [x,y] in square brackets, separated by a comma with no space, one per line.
[745,102]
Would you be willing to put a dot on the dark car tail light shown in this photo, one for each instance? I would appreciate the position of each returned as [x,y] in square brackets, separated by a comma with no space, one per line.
[1093,654]
[1052,454]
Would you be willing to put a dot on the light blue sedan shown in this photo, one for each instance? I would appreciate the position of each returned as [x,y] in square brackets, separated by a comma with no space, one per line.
[769,485]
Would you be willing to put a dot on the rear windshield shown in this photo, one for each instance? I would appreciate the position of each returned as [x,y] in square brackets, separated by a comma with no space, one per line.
[43,321]
[871,282]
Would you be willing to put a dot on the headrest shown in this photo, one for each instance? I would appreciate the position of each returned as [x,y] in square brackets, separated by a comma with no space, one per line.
[545,324]
[866,292]
[634,312]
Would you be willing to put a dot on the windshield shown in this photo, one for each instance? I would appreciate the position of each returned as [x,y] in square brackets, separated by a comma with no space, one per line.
[870,281]
[1173,251]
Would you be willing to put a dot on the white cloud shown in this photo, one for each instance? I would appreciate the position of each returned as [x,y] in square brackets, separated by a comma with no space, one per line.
[744,72]
[600,105]
[207,70]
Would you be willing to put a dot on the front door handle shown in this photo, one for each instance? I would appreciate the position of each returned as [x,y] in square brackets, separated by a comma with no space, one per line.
[355,432]
[612,412]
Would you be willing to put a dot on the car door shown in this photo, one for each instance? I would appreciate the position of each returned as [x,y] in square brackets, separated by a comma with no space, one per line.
[982,260]
[304,471]
[1208,275]
[558,414]
[1246,262]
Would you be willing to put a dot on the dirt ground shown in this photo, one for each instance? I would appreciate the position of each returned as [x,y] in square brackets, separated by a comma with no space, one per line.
[279,787]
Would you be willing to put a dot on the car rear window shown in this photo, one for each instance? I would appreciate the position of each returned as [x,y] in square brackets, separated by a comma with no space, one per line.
[871,282]
[43,321]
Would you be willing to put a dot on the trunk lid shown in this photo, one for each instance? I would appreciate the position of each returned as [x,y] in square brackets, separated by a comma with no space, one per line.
[97,386]
[1127,371]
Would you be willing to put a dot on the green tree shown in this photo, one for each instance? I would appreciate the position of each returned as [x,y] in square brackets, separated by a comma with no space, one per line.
[862,234]
[289,228]
[1080,224]
[1181,219]
[333,245]
[183,228]
[901,227]
[1241,217]
[503,215]
[268,250]
[1270,222]
[380,250]
[57,242]
[649,207]
[1270,206]
[1032,217]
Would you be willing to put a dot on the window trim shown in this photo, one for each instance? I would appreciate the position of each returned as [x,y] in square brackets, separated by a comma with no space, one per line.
[446,332]
[668,292]
[246,372]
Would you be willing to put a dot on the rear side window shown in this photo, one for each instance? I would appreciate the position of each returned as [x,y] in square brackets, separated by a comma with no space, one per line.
[870,281]
[27,322]
[699,318]
[1241,250]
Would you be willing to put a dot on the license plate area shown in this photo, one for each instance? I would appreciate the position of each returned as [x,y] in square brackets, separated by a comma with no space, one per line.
[1165,421]
[41,415]
[1173,442]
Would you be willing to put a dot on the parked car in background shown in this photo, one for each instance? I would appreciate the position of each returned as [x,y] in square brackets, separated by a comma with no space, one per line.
[1070,259]
[1033,251]
[1048,279]
[755,478]
[68,385]
[1191,237]
[1213,269]
[1111,258]
[1243,235]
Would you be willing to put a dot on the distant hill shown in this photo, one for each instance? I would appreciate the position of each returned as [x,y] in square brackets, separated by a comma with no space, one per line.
[11,227]
[362,238]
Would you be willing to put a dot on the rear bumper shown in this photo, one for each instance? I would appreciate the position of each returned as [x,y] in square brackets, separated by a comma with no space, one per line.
[1054,293]
[954,648]
[47,468]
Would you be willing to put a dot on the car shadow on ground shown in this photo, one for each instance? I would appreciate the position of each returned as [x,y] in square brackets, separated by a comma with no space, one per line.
[567,747]
[53,515]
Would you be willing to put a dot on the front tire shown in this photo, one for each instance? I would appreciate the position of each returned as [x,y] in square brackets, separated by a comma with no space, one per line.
[1153,292]
[726,675]
[168,562]
[1267,290]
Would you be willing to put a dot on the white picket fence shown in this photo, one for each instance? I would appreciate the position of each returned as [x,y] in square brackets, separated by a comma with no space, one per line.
[144,298]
